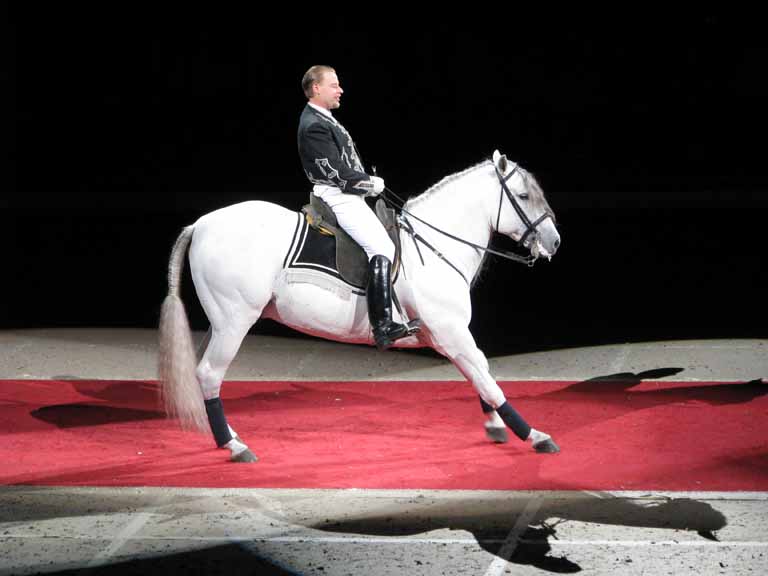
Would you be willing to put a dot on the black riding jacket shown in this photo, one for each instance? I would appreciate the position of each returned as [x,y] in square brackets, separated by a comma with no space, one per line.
[328,154]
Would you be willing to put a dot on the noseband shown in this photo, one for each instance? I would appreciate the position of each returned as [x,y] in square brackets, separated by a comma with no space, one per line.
[530,227]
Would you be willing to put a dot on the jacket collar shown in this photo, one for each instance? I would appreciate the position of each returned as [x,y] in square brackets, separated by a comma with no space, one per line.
[323,111]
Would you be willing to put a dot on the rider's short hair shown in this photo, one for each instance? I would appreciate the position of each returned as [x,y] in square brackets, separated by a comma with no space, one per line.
[312,76]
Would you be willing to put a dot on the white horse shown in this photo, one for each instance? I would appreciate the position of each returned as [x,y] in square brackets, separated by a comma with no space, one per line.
[237,258]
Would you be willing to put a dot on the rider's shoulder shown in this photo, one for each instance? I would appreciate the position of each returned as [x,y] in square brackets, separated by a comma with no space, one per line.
[312,120]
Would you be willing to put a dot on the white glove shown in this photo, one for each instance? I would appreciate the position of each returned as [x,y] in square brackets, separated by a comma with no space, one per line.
[378,186]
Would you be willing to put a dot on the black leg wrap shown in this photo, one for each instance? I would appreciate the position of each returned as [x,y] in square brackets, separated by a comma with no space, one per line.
[514,421]
[487,408]
[219,427]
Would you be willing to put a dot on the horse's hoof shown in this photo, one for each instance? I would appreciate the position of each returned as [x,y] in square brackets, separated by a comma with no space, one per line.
[547,446]
[245,456]
[497,434]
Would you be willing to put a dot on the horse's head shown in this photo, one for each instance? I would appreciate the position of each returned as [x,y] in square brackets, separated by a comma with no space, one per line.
[524,213]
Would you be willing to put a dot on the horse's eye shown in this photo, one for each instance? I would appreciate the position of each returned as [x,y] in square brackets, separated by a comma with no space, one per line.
[523,195]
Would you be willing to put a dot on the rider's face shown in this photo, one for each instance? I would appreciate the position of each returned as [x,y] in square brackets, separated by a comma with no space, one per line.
[328,91]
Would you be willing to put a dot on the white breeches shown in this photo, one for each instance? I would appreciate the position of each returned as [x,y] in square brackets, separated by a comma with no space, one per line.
[358,220]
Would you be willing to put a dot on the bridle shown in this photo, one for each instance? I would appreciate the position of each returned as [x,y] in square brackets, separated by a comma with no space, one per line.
[530,227]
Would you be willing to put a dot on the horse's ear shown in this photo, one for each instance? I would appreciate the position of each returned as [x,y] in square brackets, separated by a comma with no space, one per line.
[500,160]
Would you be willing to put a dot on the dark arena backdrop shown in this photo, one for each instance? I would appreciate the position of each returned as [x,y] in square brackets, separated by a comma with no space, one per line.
[648,135]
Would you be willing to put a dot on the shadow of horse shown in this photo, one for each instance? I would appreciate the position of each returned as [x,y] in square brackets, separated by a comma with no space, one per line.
[621,383]
[616,395]
[493,521]
[119,402]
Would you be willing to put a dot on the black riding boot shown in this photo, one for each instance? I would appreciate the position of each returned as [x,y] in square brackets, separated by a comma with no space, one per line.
[379,294]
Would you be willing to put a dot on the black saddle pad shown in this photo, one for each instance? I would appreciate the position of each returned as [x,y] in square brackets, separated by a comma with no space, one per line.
[315,250]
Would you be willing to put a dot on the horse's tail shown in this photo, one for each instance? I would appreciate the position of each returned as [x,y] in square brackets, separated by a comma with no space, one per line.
[180,391]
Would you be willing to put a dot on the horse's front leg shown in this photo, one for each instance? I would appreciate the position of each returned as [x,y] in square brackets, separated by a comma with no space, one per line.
[473,364]
[495,428]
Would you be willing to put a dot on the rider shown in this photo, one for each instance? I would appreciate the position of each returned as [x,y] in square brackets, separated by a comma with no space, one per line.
[332,163]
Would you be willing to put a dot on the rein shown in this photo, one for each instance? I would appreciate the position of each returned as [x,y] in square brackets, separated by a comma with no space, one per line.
[509,255]
[528,260]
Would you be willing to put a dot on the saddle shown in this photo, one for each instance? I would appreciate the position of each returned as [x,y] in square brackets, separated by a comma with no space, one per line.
[348,258]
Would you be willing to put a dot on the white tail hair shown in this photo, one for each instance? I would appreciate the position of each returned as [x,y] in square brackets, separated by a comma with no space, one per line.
[180,390]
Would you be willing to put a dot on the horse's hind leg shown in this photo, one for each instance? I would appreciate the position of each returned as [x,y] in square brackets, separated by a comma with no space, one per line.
[204,344]
[220,352]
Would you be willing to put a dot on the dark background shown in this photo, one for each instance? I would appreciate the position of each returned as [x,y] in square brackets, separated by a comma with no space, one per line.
[647,134]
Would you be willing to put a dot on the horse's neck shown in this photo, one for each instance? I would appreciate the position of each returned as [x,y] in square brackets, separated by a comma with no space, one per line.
[461,208]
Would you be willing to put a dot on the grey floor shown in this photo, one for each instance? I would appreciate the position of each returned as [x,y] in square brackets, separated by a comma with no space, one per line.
[226,531]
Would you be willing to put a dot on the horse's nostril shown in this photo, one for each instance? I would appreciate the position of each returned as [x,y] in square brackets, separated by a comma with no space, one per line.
[557,244]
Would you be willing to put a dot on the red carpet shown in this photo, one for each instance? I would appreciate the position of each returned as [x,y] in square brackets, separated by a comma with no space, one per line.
[619,435]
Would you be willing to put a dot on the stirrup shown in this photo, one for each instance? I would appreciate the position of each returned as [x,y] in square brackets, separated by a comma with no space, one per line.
[386,335]
[414,326]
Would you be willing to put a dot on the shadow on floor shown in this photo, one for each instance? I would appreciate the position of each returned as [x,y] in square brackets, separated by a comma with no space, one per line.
[224,560]
[494,523]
